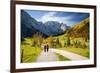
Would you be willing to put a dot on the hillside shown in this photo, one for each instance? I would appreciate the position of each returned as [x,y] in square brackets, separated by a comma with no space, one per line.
[80,30]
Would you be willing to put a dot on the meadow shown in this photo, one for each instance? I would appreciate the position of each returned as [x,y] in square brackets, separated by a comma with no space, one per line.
[31,47]
[75,40]
[28,52]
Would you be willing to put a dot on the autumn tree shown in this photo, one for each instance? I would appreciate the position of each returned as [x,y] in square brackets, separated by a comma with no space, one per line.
[50,40]
[37,39]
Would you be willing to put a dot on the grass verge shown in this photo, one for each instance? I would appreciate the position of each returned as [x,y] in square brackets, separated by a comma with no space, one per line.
[84,52]
[29,54]
[62,58]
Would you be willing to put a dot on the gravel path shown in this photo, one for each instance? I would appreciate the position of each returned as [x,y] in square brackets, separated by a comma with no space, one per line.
[47,56]
[51,56]
[70,55]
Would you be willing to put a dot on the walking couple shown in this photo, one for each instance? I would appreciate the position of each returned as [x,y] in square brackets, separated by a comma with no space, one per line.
[46,48]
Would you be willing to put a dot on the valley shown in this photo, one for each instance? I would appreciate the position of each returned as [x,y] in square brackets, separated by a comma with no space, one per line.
[34,35]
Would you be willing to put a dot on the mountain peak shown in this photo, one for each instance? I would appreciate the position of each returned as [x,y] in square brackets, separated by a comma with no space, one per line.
[30,26]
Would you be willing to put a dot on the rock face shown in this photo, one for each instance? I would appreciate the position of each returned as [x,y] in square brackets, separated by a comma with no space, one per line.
[55,28]
[29,26]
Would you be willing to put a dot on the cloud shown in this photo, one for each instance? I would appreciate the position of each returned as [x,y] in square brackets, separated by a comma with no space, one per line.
[50,16]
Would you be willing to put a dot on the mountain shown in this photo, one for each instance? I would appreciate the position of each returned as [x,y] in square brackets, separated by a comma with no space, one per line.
[27,30]
[30,26]
[55,28]
[80,30]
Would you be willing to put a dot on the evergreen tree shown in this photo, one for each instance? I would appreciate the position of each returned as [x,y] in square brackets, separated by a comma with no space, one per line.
[68,41]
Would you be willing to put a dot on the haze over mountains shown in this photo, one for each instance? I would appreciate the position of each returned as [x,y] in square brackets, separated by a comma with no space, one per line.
[30,26]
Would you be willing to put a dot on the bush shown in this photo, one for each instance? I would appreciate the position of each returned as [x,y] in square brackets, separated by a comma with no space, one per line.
[84,45]
[77,44]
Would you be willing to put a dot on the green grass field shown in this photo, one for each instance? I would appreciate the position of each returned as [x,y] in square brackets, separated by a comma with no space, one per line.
[30,53]
[62,58]
[80,51]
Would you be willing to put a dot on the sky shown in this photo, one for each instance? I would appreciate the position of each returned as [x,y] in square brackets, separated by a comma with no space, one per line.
[68,18]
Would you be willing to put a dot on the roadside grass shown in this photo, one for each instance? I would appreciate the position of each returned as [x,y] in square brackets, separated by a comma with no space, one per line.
[28,41]
[84,52]
[29,54]
[62,58]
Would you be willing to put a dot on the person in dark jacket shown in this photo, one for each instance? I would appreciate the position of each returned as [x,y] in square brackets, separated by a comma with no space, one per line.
[47,47]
